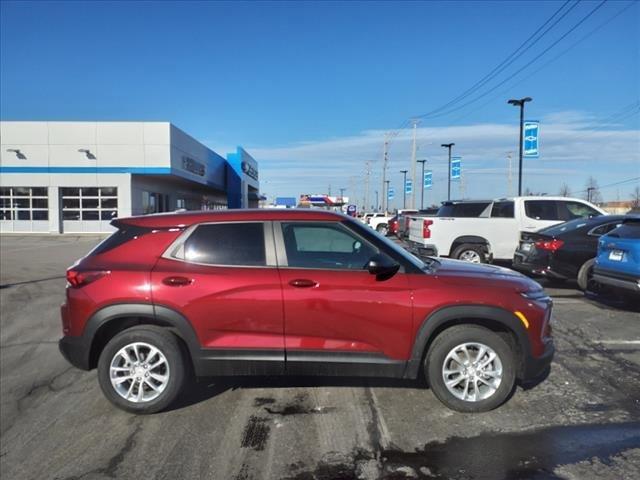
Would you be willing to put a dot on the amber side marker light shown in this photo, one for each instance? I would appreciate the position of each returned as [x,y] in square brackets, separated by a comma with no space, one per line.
[522,318]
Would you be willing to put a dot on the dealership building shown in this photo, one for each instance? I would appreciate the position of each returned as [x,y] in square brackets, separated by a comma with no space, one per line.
[74,177]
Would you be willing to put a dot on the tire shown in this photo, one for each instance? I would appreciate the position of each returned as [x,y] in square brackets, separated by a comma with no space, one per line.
[585,273]
[470,252]
[383,229]
[144,337]
[489,397]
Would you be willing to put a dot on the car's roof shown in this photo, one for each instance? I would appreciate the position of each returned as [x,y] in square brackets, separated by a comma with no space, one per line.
[186,218]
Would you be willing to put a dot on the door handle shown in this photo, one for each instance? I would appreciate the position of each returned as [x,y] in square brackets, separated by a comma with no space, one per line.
[303,283]
[177,281]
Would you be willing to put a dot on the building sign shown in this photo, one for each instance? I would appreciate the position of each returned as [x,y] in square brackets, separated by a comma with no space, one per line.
[250,170]
[531,139]
[193,166]
[456,167]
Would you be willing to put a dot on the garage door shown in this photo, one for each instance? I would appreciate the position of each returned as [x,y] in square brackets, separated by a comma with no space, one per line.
[88,209]
[24,209]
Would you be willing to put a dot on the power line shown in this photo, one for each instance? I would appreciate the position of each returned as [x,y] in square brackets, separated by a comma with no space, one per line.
[536,58]
[629,180]
[512,57]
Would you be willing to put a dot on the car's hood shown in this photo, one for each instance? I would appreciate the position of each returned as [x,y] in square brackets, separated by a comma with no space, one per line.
[461,273]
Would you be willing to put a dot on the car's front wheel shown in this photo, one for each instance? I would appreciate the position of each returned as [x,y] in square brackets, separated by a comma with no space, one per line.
[470,368]
[142,369]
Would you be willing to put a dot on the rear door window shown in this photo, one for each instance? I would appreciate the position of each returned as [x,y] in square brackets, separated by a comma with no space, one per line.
[502,210]
[627,230]
[234,244]
[541,209]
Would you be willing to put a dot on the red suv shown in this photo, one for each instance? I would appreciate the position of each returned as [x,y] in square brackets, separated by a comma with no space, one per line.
[272,292]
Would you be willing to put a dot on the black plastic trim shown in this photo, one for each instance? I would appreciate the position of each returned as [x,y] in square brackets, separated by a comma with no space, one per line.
[212,362]
[350,364]
[448,314]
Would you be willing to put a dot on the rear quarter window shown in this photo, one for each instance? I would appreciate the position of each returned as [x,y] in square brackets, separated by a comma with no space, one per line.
[124,234]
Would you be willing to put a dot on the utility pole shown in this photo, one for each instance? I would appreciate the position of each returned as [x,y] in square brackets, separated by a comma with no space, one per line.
[448,146]
[589,190]
[329,189]
[367,172]
[385,158]
[510,175]
[520,103]
[413,163]
[342,194]
[386,194]
[462,185]
[421,183]
[404,188]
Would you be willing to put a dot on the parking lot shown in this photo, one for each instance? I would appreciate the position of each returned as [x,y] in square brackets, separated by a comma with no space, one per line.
[582,422]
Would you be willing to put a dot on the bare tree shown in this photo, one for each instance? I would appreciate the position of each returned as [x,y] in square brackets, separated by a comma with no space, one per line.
[565,191]
[592,191]
[635,197]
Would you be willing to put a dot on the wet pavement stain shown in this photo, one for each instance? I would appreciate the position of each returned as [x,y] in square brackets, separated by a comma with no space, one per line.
[526,455]
[298,406]
[256,433]
[261,401]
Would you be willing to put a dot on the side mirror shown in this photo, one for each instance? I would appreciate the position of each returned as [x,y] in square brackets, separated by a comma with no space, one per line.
[382,267]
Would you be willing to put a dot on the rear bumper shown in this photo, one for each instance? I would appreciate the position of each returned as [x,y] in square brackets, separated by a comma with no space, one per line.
[535,366]
[618,280]
[75,351]
[519,263]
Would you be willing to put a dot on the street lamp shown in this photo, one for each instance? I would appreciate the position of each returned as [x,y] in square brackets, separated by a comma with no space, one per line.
[520,103]
[448,145]
[422,195]
[342,195]
[377,204]
[404,188]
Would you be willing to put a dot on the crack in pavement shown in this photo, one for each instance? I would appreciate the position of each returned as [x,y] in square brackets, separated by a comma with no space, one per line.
[116,460]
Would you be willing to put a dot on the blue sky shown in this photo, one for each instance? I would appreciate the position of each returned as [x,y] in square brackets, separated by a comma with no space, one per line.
[310,88]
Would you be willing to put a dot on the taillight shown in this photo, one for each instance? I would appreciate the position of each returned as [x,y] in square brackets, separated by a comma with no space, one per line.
[393,226]
[426,233]
[78,278]
[549,245]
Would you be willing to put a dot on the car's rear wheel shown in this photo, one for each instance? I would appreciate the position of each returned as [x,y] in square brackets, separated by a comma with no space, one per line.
[383,229]
[585,275]
[470,368]
[142,369]
[469,252]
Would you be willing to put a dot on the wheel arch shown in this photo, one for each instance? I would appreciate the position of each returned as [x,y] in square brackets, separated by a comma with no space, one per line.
[494,318]
[107,322]
[471,239]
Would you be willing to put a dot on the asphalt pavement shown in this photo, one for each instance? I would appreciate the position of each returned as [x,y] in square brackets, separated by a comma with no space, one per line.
[582,422]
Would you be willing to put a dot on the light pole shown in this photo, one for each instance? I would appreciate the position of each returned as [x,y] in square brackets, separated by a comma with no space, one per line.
[342,195]
[386,194]
[448,145]
[422,194]
[377,204]
[404,188]
[520,103]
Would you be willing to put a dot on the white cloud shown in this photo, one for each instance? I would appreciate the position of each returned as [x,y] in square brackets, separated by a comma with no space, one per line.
[571,150]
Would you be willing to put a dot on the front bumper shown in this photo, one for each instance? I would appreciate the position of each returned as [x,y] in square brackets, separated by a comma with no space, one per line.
[75,351]
[535,366]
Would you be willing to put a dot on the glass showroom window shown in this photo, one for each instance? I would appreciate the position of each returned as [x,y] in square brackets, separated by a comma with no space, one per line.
[89,203]
[24,203]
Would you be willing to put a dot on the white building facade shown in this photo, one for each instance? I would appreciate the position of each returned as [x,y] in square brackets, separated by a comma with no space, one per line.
[74,177]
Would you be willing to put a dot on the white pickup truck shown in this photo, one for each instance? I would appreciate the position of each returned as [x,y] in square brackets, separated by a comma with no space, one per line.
[496,232]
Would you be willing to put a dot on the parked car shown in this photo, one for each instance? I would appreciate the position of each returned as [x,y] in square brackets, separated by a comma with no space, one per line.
[366,218]
[394,225]
[618,262]
[566,251]
[381,224]
[403,220]
[496,233]
[209,292]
